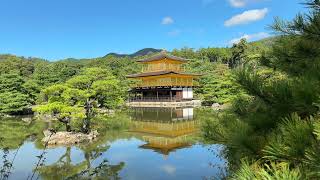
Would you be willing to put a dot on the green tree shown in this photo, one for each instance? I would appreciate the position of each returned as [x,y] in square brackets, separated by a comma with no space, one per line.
[13,96]
[185,53]
[216,85]
[62,112]
[20,65]
[238,53]
[221,55]
[297,51]
[81,95]
[275,126]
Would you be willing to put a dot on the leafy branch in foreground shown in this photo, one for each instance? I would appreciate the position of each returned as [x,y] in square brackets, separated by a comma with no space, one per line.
[274,125]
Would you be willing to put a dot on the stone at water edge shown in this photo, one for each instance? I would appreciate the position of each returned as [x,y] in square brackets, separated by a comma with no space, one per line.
[68,138]
[216,106]
[46,133]
[27,120]
[105,111]
[219,107]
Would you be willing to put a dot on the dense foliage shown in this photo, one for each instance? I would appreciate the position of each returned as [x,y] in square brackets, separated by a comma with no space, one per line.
[24,81]
[274,126]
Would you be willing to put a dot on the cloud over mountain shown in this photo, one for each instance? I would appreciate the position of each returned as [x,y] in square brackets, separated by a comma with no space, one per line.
[250,37]
[246,17]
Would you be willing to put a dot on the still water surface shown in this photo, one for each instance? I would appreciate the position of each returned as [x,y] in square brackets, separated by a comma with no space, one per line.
[160,144]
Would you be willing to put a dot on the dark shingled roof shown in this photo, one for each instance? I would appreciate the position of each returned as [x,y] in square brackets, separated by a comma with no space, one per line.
[162,55]
[159,73]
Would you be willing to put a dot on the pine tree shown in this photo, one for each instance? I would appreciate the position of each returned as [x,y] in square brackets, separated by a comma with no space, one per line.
[238,53]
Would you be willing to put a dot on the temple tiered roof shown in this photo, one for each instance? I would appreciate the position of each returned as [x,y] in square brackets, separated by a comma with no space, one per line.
[164,70]
[163,55]
[157,73]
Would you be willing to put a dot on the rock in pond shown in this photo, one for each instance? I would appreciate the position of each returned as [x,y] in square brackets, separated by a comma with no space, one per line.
[27,119]
[219,107]
[68,138]
[216,106]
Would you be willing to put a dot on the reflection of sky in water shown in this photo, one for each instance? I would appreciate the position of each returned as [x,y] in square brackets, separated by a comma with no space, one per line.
[26,159]
[187,162]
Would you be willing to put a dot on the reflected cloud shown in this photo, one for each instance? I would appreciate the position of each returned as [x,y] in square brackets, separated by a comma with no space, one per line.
[169,169]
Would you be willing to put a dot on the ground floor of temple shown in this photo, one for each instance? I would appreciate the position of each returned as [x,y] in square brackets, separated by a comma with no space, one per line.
[161,94]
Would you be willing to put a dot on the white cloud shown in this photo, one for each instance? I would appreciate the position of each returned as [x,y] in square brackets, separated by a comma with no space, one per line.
[250,37]
[238,3]
[233,3]
[242,3]
[167,20]
[246,17]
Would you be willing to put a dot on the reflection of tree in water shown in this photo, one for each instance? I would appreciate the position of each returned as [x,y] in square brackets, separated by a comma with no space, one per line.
[219,164]
[103,171]
[65,169]
[14,132]
[62,168]
[6,165]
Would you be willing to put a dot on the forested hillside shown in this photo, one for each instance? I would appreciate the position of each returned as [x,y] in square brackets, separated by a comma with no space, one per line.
[142,52]
[23,79]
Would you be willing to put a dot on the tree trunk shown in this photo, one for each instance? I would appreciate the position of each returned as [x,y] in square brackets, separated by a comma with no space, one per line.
[89,113]
[68,127]
[86,126]
[66,121]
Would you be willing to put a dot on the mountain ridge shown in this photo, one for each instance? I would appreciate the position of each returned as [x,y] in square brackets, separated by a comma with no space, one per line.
[142,52]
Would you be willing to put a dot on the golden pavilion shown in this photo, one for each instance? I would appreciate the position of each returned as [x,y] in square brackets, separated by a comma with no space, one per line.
[163,78]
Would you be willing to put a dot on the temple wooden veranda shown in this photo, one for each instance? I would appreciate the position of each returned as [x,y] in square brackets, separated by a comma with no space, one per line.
[163,79]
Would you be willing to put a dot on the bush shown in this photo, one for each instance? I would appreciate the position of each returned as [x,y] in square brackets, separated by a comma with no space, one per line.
[276,171]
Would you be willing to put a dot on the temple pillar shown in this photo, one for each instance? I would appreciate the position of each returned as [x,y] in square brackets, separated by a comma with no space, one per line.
[157,95]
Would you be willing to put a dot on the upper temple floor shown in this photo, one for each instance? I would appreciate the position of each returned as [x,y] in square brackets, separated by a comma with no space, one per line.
[163,62]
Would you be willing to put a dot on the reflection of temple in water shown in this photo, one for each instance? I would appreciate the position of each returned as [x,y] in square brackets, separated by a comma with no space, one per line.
[164,129]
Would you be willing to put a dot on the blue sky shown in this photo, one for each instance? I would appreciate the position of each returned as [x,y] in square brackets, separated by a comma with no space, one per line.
[57,29]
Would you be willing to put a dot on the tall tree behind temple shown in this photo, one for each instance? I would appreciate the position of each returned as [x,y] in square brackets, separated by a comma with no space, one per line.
[238,53]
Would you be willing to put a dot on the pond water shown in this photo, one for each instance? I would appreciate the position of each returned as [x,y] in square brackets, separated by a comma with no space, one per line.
[160,144]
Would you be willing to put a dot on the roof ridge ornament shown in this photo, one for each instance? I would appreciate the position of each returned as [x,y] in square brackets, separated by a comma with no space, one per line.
[163,54]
